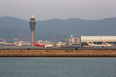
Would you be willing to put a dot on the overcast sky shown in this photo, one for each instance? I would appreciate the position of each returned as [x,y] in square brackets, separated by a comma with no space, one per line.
[60,9]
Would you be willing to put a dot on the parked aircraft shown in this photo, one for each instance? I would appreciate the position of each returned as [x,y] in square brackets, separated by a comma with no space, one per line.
[41,45]
[99,45]
[49,45]
[13,44]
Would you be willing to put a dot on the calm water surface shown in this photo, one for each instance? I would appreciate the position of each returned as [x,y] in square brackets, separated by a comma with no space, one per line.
[57,67]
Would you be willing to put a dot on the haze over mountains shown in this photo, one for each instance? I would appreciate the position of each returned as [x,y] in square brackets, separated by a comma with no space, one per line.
[11,27]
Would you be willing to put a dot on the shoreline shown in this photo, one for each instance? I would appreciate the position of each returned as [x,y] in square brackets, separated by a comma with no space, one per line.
[54,53]
[57,57]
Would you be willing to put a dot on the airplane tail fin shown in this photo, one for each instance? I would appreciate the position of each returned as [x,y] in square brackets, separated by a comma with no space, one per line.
[88,43]
[106,43]
[102,43]
[35,43]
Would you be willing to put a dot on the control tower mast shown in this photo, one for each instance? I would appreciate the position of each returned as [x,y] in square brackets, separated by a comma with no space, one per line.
[32,27]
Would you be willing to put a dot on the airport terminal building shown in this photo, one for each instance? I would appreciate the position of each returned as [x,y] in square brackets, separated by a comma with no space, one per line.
[98,38]
[84,40]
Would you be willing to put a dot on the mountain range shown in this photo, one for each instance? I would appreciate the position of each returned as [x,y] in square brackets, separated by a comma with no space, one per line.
[56,28]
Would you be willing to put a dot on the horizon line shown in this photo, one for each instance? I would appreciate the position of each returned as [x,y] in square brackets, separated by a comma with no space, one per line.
[60,19]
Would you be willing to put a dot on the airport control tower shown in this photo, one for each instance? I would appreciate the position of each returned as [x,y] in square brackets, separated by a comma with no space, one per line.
[32,27]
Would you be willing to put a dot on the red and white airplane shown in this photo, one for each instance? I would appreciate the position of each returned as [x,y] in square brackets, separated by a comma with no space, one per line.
[41,45]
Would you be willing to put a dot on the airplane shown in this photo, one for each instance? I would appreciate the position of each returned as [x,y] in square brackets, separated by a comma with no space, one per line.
[17,44]
[13,44]
[99,45]
[49,45]
[35,44]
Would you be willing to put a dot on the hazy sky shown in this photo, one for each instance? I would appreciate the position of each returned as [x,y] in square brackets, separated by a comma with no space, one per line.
[60,9]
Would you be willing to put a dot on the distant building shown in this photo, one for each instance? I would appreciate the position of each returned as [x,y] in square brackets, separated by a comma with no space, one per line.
[75,40]
[71,40]
[52,36]
[2,41]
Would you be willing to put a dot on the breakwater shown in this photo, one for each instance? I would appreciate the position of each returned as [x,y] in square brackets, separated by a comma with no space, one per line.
[58,53]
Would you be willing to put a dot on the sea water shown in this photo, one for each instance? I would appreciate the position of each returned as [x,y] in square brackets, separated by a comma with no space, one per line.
[57,67]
